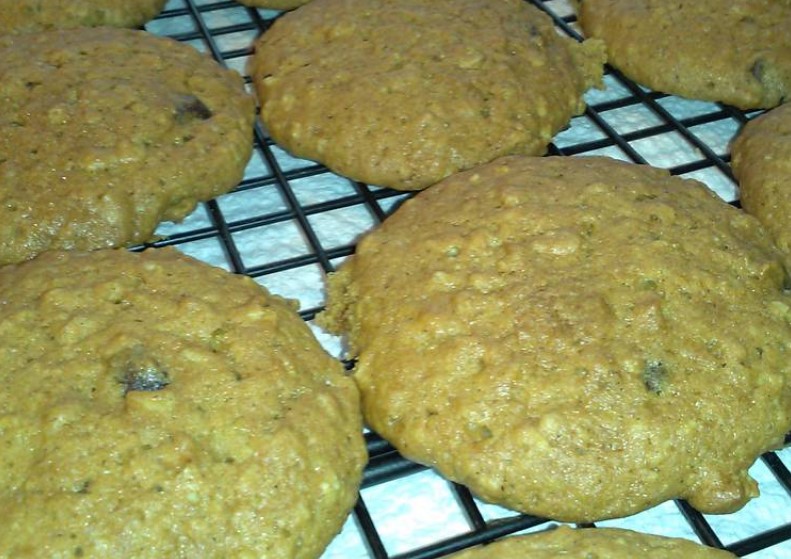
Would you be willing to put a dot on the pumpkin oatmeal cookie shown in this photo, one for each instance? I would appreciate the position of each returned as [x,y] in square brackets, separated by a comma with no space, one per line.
[154,406]
[402,94]
[733,51]
[588,543]
[575,338]
[27,16]
[274,4]
[107,132]
[762,163]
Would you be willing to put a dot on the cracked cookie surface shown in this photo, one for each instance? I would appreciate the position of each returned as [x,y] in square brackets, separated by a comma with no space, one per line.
[108,132]
[154,406]
[402,94]
[575,338]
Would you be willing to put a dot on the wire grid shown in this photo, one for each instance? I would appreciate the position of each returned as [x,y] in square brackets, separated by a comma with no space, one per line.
[290,221]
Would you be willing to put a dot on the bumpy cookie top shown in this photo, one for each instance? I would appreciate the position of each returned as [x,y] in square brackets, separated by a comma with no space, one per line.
[402,94]
[577,338]
[609,543]
[275,4]
[154,406]
[762,163]
[25,16]
[735,51]
[107,132]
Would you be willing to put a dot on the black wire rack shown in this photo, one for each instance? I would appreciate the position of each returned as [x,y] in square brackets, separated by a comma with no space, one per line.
[291,221]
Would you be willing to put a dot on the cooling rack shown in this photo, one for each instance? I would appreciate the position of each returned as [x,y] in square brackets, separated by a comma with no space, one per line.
[290,221]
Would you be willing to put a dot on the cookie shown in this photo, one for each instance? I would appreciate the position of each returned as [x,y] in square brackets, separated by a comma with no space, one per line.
[274,4]
[575,338]
[587,543]
[402,94]
[736,52]
[154,406]
[26,16]
[107,132]
[761,161]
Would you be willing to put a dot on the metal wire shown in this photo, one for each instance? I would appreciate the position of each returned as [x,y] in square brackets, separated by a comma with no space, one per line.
[278,178]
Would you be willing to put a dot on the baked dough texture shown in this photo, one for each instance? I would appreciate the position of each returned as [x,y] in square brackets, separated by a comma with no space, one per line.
[153,406]
[27,16]
[733,51]
[575,338]
[591,543]
[403,94]
[761,161]
[107,132]
[274,4]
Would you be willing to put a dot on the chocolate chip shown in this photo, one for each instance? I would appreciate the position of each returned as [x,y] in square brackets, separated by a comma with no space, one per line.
[189,108]
[757,69]
[137,371]
[654,376]
[145,380]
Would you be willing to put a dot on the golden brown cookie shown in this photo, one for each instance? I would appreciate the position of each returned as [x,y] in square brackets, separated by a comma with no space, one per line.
[274,4]
[576,338]
[589,543]
[402,94]
[25,16]
[762,164]
[735,51]
[107,132]
[153,406]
